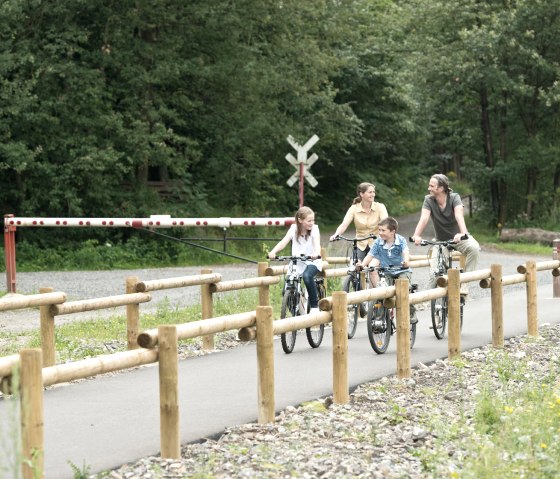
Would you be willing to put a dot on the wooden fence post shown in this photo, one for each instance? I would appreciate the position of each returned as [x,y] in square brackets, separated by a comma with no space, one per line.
[497,298]
[207,308]
[265,361]
[403,328]
[454,313]
[264,290]
[169,392]
[531,278]
[32,417]
[132,315]
[47,331]
[341,393]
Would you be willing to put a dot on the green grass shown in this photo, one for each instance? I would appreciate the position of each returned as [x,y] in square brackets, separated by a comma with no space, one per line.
[511,431]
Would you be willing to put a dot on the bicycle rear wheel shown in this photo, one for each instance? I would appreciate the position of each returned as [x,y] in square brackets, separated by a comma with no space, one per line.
[439,316]
[315,333]
[289,310]
[379,327]
[353,310]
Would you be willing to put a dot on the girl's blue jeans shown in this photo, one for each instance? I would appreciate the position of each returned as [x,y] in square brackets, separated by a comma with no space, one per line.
[309,280]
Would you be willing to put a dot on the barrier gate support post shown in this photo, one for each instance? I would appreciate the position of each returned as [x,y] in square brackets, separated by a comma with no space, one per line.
[556,279]
[10,254]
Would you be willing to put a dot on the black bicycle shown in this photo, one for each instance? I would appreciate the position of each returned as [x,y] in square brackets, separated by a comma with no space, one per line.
[294,303]
[444,261]
[353,282]
[380,319]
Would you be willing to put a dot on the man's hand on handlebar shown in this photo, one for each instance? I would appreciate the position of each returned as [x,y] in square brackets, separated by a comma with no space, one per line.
[460,237]
[271,255]
[333,237]
[416,240]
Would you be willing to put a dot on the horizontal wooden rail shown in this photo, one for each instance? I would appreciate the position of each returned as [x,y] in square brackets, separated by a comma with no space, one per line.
[337,260]
[466,277]
[21,302]
[7,364]
[243,283]
[168,283]
[300,322]
[99,365]
[357,297]
[99,303]
[541,266]
[427,295]
[149,338]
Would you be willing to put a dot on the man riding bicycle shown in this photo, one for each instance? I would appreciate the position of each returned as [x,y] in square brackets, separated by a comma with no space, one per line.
[445,208]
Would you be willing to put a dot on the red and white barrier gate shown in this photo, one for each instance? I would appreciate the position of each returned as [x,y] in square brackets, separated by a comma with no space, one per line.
[11,223]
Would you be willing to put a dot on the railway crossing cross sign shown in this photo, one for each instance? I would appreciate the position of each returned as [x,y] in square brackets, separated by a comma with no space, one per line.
[302,164]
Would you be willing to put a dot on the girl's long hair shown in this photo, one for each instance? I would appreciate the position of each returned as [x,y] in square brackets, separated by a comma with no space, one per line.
[362,188]
[301,214]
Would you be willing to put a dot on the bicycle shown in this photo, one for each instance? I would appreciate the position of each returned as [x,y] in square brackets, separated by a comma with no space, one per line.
[380,319]
[352,282]
[439,306]
[294,303]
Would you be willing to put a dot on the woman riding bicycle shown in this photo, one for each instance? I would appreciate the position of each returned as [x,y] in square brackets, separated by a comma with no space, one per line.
[390,250]
[366,214]
[306,240]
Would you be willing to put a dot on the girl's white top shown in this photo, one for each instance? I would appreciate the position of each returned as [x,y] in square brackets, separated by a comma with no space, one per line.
[304,246]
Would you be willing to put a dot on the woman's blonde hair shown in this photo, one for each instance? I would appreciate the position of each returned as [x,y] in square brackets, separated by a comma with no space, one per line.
[361,189]
[301,214]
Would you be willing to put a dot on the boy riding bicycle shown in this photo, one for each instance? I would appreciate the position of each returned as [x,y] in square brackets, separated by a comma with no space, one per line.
[390,250]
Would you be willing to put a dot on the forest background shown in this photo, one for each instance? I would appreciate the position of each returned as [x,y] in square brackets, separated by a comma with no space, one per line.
[132,108]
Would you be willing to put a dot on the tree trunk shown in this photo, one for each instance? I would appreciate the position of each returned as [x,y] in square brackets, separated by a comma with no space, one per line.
[531,188]
[488,147]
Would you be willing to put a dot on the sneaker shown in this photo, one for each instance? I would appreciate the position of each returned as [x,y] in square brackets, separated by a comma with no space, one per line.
[414,319]
[314,311]
[464,290]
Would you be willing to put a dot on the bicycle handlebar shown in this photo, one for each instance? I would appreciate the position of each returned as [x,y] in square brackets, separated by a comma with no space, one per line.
[450,242]
[340,237]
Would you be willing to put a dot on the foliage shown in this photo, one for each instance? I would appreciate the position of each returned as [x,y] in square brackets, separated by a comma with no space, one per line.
[98,99]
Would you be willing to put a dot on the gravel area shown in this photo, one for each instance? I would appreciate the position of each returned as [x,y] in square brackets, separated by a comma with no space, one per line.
[390,428]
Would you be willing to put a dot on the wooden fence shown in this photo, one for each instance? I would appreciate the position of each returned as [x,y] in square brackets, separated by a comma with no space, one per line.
[161,344]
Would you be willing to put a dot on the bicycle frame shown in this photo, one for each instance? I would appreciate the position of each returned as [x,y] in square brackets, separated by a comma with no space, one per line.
[444,261]
[380,319]
[353,283]
[292,293]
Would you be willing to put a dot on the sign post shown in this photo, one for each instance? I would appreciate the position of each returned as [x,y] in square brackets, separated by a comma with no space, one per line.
[302,164]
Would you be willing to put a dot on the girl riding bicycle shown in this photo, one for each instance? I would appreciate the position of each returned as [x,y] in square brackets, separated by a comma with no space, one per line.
[390,250]
[306,240]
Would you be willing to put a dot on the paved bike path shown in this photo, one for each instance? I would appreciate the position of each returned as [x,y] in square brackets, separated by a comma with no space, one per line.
[107,421]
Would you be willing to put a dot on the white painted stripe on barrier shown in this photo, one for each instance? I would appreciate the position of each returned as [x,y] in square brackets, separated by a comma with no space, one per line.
[154,221]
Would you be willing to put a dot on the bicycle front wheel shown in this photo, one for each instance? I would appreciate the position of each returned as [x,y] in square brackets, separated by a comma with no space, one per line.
[412,335]
[353,310]
[315,333]
[379,327]
[289,310]
[439,316]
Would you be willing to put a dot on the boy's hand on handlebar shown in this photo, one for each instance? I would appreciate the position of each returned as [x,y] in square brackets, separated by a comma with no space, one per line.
[271,255]
[333,237]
